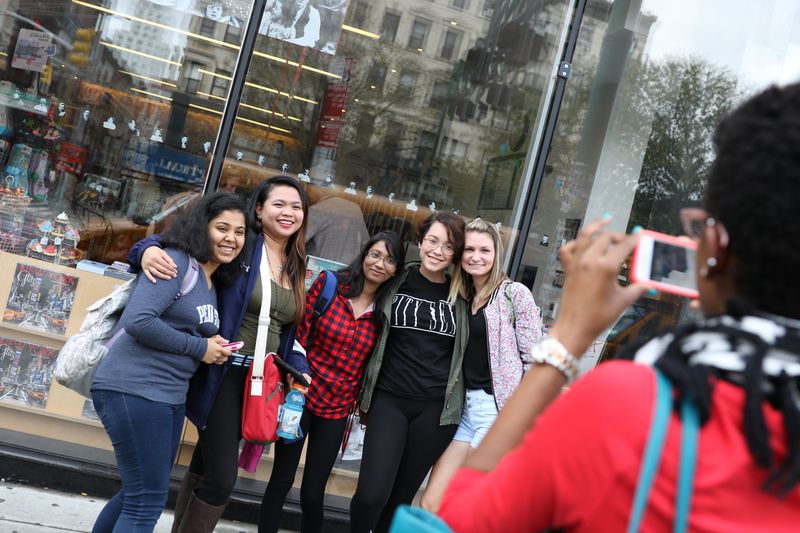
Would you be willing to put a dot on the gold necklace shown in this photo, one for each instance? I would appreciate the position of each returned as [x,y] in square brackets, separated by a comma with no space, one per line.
[275,264]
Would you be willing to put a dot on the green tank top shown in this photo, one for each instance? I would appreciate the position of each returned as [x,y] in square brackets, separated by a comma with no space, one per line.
[281,312]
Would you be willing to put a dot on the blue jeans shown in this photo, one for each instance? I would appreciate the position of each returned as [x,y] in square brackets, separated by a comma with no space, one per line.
[145,436]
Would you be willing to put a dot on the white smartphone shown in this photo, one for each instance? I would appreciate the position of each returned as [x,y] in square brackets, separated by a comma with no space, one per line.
[666,263]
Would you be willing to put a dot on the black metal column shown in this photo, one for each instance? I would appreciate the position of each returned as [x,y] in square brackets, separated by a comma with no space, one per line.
[547,139]
[234,96]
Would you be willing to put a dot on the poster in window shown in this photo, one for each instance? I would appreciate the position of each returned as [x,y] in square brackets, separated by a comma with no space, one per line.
[315,24]
[315,265]
[40,299]
[32,50]
[26,371]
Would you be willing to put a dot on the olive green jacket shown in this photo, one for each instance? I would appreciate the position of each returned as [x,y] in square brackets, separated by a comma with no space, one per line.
[454,392]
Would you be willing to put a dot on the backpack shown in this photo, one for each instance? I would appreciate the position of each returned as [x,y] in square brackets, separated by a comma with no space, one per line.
[80,356]
[264,385]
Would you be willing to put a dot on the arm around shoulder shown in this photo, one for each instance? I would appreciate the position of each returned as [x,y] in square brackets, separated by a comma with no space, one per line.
[135,253]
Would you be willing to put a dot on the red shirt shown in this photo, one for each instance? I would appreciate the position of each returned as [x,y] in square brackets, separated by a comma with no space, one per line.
[577,469]
[337,353]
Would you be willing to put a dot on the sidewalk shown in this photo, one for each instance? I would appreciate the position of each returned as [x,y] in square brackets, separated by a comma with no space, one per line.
[27,509]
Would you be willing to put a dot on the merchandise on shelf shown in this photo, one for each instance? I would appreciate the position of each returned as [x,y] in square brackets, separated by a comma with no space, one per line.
[12,218]
[57,242]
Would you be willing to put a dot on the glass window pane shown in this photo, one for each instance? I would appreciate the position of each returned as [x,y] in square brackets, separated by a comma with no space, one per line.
[398,114]
[104,138]
[648,86]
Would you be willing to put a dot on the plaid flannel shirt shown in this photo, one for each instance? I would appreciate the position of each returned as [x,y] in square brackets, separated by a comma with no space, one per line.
[337,353]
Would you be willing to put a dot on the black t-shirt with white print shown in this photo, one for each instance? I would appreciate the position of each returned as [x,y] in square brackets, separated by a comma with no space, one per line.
[416,360]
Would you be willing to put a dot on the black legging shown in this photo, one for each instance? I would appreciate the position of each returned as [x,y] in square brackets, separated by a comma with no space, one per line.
[216,456]
[324,439]
[402,442]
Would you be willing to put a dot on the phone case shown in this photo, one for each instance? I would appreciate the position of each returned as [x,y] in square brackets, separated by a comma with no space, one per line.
[664,287]
[234,346]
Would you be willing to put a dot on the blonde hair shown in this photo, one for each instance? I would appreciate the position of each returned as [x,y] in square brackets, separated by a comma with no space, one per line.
[462,282]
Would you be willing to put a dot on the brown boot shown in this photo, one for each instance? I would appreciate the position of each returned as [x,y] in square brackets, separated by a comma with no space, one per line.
[200,517]
[190,481]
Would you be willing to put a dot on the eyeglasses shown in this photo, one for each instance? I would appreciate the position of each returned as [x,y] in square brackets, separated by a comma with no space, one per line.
[433,243]
[694,220]
[387,259]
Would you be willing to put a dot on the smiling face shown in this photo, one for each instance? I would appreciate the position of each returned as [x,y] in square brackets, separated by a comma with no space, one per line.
[378,265]
[435,251]
[479,254]
[226,236]
[281,213]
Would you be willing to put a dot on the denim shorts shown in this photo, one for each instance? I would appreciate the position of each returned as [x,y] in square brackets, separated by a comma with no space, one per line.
[479,414]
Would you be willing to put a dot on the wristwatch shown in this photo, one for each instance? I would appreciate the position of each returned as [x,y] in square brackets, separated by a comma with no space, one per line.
[549,351]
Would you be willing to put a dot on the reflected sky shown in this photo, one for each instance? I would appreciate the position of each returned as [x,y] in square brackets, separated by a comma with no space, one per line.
[758,41]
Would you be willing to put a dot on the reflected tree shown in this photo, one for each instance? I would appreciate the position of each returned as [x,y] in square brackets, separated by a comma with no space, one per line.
[686,99]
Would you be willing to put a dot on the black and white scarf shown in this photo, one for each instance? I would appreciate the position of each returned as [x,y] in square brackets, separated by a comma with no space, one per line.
[758,352]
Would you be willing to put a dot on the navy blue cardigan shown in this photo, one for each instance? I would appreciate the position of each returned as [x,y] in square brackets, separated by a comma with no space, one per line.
[232,302]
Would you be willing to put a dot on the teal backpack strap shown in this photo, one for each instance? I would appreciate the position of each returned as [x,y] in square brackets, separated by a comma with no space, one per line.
[690,421]
[409,519]
[652,450]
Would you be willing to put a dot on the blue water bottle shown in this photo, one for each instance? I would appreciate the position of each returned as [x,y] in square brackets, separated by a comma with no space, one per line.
[290,413]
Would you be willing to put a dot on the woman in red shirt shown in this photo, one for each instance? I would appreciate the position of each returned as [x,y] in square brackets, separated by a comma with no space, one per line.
[338,345]
[577,468]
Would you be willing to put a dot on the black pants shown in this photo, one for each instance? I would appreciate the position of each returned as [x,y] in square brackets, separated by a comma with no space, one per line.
[402,442]
[216,456]
[324,440]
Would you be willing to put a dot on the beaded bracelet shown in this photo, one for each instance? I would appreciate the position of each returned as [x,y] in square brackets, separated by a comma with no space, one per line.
[549,351]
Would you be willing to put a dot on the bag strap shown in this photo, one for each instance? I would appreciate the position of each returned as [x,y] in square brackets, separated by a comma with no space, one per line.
[690,420]
[187,284]
[189,279]
[510,305]
[324,299]
[260,353]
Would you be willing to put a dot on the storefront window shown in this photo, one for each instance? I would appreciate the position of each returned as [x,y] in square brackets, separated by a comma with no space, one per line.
[396,111]
[102,140]
[634,133]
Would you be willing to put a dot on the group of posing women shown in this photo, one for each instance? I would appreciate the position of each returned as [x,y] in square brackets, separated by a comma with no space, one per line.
[433,359]
[428,358]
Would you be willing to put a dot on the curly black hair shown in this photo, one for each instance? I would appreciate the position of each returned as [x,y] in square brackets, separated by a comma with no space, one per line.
[189,231]
[754,191]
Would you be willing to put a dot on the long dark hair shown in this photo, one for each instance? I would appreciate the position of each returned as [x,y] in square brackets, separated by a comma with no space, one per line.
[189,231]
[295,248]
[351,277]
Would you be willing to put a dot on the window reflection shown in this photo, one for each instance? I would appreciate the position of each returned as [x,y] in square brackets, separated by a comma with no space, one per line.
[426,105]
[633,137]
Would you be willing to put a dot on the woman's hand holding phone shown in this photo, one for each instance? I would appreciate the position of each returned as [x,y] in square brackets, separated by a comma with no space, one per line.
[290,380]
[216,352]
[592,298]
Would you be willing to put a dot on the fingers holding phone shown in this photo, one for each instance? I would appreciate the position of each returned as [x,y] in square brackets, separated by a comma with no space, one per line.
[290,379]
[666,263]
[216,350]
[592,297]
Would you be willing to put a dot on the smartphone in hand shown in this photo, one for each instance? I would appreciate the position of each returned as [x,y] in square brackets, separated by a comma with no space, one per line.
[292,371]
[234,346]
[666,263]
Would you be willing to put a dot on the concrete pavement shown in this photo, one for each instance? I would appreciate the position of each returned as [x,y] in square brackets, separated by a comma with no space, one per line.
[28,509]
